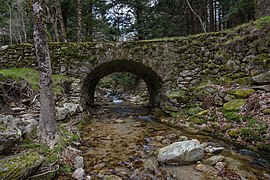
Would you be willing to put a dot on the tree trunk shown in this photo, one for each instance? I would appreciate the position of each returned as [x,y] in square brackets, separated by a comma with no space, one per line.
[200,19]
[10,25]
[47,123]
[211,17]
[61,21]
[79,13]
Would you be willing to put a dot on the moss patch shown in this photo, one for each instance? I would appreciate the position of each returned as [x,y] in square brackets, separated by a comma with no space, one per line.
[243,93]
[32,76]
[17,166]
[234,105]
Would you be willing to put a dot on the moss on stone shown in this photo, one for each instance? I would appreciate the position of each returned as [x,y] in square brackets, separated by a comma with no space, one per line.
[18,166]
[234,105]
[266,111]
[243,93]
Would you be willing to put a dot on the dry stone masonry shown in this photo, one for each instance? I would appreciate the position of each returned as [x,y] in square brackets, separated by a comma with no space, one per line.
[240,55]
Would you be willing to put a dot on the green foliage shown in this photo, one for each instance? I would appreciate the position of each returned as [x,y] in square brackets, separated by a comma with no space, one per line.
[31,75]
[126,81]
[233,116]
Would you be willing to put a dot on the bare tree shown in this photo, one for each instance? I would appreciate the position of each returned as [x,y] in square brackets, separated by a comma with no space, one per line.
[79,14]
[47,123]
[200,19]
[61,21]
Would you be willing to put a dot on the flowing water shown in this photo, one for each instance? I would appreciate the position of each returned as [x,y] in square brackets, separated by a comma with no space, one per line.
[122,141]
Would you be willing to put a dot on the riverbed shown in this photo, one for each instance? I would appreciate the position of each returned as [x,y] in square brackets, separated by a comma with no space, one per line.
[121,141]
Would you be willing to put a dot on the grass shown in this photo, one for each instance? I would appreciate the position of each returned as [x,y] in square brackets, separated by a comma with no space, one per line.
[32,76]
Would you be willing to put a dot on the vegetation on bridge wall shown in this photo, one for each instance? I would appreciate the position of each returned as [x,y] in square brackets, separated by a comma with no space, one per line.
[229,56]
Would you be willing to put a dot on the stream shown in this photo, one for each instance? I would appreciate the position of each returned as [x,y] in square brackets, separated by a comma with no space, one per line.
[121,141]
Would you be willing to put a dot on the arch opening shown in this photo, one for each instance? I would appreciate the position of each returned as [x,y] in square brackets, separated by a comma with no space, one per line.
[150,77]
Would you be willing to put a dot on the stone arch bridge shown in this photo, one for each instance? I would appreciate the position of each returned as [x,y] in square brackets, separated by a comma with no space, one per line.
[165,65]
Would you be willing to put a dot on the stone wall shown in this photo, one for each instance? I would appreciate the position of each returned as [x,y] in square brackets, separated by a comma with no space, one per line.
[234,55]
[263,8]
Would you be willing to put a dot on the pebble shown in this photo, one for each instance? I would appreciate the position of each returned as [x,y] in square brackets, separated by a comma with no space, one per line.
[79,174]
[200,167]
[120,121]
[220,165]
[159,138]
[182,138]
[79,162]
[99,166]
[214,159]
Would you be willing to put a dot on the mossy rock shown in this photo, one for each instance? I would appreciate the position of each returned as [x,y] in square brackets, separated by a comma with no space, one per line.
[20,166]
[234,105]
[243,93]
[266,111]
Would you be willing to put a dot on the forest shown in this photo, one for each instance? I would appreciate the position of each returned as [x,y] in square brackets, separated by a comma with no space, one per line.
[122,20]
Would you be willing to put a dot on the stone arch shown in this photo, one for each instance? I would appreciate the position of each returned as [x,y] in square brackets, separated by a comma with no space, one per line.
[151,78]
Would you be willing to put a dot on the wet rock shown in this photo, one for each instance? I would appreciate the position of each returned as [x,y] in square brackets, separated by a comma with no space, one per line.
[200,167]
[9,134]
[79,174]
[150,164]
[184,152]
[120,121]
[19,166]
[220,166]
[17,109]
[112,177]
[99,166]
[159,138]
[214,159]
[182,138]
[79,162]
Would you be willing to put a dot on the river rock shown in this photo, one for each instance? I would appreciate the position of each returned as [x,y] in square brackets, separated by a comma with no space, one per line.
[200,167]
[9,134]
[79,174]
[214,159]
[79,162]
[184,152]
[20,166]
[67,110]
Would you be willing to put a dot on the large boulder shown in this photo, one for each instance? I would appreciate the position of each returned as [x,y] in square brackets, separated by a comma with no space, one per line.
[10,134]
[263,78]
[68,109]
[20,166]
[184,152]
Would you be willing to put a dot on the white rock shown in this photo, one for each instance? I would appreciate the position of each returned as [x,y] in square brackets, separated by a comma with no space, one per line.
[79,174]
[79,162]
[184,152]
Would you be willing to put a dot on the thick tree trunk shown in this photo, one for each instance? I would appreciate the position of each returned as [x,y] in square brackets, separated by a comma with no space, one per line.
[47,123]
[79,13]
